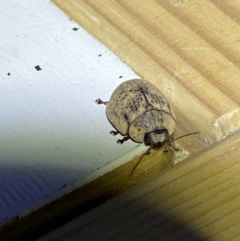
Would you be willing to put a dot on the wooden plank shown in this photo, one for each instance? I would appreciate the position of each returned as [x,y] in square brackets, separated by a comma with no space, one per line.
[198,199]
[189,49]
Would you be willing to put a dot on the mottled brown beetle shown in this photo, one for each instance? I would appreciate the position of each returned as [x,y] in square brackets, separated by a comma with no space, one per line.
[139,111]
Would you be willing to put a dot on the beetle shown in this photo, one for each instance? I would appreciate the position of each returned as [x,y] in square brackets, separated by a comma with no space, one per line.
[139,111]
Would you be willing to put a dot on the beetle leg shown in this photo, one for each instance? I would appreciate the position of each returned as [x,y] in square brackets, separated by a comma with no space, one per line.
[114,133]
[174,147]
[147,152]
[165,149]
[100,102]
[125,138]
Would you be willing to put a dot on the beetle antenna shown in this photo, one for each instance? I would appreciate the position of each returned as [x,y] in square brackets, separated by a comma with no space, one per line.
[138,162]
[189,134]
[149,149]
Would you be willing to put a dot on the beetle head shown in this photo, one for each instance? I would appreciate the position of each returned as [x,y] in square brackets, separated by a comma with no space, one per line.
[156,139]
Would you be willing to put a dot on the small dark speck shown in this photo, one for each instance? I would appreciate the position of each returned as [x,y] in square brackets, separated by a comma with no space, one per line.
[120,77]
[99,55]
[64,186]
[75,29]
[38,68]
[8,74]
[125,117]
